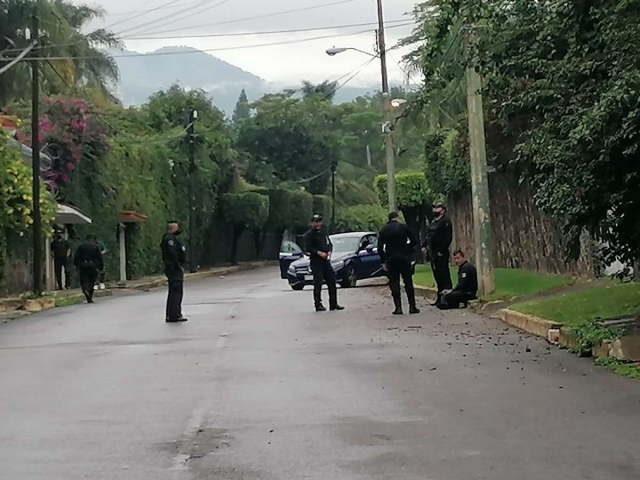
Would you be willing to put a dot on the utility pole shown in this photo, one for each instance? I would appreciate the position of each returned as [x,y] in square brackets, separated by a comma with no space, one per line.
[479,179]
[193,115]
[333,197]
[386,105]
[35,157]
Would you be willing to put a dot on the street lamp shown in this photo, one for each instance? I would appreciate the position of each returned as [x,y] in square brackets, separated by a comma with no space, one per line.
[332,52]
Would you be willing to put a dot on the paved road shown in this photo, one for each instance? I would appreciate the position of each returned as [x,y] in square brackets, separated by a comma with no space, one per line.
[256,386]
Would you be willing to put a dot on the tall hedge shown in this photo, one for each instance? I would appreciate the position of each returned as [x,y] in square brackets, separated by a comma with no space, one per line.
[412,189]
[322,205]
[300,210]
[249,210]
[360,218]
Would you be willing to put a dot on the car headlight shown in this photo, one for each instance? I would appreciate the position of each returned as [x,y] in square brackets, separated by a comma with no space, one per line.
[338,265]
[292,269]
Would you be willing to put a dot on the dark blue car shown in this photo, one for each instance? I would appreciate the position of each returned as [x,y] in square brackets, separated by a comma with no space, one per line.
[355,257]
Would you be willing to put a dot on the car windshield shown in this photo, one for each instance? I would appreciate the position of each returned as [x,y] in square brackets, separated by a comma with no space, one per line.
[345,244]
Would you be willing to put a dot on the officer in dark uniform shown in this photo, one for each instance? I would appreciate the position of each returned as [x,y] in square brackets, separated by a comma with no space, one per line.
[318,245]
[439,237]
[467,288]
[174,256]
[61,249]
[88,261]
[395,246]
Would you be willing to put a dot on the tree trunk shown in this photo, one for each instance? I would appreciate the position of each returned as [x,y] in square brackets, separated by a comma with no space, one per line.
[237,232]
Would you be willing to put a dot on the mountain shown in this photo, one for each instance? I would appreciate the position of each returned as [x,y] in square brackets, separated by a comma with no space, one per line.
[141,75]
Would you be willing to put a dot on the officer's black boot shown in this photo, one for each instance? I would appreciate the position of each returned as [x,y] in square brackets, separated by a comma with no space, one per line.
[320,308]
[397,301]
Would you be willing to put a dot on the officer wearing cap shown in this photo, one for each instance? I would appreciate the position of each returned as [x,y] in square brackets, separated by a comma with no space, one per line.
[174,257]
[318,246]
[395,246]
[439,238]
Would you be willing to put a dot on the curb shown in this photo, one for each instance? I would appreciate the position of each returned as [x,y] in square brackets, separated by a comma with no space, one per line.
[534,325]
[626,348]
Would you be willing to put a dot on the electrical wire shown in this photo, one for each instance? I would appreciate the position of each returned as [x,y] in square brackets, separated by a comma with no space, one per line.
[23,54]
[267,15]
[176,18]
[219,49]
[269,32]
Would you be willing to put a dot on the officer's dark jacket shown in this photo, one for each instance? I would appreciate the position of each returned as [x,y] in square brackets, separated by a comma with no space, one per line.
[88,255]
[60,248]
[173,252]
[317,241]
[467,279]
[440,235]
[396,240]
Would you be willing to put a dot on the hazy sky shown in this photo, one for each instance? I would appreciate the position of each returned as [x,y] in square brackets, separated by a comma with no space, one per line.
[188,22]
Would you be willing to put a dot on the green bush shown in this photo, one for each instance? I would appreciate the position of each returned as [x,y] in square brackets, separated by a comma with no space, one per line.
[248,210]
[360,218]
[322,205]
[300,210]
[412,190]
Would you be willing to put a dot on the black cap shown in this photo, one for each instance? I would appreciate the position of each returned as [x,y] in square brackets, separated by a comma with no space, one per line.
[316,218]
[393,216]
[440,205]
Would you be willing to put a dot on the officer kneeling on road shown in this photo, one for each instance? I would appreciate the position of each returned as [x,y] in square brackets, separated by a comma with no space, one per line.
[395,247]
[467,288]
[318,245]
[174,257]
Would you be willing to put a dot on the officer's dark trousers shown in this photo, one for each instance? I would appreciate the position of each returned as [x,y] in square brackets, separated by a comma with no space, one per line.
[401,267]
[441,273]
[323,273]
[59,264]
[455,299]
[88,274]
[176,292]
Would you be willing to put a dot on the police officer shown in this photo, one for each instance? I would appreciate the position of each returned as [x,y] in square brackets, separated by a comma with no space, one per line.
[439,237]
[318,245]
[174,256]
[395,246]
[467,287]
[61,251]
[88,261]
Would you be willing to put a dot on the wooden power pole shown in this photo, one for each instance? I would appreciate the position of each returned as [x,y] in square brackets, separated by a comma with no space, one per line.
[35,157]
[386,99]
[479,179]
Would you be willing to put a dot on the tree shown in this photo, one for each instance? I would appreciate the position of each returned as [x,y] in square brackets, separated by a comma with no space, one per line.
[325,90]
[295,137]
[242,110]
[78,59]
[244,211]
[414,197]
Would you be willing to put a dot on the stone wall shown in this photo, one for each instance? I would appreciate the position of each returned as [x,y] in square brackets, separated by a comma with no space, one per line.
[522,236]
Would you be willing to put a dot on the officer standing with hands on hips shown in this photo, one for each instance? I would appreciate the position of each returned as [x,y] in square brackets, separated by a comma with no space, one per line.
[174,257]
[439,238]
[395,246]
[318,245]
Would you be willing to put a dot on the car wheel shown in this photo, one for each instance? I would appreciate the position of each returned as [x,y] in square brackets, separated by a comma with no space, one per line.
[350,278]
[297,287]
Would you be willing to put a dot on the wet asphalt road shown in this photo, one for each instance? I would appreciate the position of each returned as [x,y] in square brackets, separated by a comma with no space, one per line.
[256,386]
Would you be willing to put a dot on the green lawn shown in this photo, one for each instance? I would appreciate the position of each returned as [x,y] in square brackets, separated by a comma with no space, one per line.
[608,301]
[509,282]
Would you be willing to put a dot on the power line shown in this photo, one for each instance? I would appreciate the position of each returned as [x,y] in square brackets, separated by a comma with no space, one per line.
[18,58]
[141,14]
[267,15]
[220,49]
[172,18]
[269,32]
[142,10]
